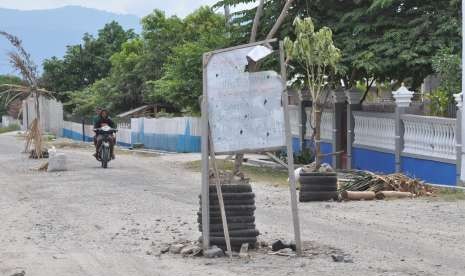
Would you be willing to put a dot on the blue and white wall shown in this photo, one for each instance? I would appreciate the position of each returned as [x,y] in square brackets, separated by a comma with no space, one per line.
[428,151]
[167,134]
[181,134]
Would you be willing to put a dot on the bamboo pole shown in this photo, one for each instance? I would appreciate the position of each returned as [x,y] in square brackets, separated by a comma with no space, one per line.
[220,197]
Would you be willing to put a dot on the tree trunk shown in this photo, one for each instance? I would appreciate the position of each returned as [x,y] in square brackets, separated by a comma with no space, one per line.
[227,15]
[252,68]
[317,112]
[256,21]
[280,19]
[367,90]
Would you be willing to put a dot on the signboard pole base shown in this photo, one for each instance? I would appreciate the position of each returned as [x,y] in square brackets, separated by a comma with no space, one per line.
[290,155]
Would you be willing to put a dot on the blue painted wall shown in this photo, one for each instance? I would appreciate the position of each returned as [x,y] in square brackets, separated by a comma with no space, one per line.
[67,133]
[170,142]
[167,142]
[325,148]
[375,161]
[431,171]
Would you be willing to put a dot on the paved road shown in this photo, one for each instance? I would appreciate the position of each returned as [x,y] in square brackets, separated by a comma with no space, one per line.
[90,221]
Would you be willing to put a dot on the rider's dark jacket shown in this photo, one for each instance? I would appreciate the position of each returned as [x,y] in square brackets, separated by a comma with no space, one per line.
[101,121]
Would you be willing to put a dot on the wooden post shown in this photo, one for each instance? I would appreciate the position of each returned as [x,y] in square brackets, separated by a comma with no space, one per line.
[220,196]
[83,129]
[205,165]
[353,98]
[290,153]
[338,100]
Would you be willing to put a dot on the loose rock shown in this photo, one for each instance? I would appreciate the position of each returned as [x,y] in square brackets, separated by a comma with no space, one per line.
[278,245]
[176,248]
[244,252]
[341,259]
[214,252]
[191,250]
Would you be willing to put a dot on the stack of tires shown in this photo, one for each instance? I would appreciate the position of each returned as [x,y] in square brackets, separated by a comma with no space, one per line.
[317,186]
[239,204]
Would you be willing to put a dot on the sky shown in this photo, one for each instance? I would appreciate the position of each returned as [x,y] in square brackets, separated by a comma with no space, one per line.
[136,7]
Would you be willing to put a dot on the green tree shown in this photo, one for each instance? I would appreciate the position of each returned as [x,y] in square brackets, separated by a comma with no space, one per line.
[314,51]
[447,65]
[380,40]
[160,35]
[86,63]
[181,84]
[128,75]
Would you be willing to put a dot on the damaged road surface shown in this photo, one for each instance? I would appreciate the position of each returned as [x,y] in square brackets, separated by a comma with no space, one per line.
[89,221]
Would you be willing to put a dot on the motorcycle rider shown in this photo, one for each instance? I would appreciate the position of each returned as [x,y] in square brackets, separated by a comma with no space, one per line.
[98,110]
[104,120]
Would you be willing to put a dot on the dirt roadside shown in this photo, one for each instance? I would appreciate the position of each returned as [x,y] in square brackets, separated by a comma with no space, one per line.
[89,221]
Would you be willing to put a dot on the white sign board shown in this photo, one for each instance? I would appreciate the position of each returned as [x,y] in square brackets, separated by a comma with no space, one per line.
[244,109]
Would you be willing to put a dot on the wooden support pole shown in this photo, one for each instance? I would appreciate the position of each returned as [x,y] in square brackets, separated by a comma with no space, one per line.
[276,159]
[290,155]
[220,197]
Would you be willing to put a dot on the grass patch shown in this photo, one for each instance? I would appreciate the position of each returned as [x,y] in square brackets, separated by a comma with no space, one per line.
[9,129]
[256,174]
[450,194]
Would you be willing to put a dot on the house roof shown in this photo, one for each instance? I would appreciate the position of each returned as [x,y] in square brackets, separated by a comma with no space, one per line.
[132,111]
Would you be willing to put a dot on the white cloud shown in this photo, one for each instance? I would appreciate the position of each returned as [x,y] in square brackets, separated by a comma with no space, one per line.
[138,7]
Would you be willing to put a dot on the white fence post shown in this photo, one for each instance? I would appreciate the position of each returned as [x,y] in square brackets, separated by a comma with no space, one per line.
[403,99]
[458,136]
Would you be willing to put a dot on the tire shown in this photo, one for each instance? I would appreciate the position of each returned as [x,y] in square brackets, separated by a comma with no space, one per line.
[214,202]
[319,180]
[217,214]
[330,187]
[232,188]
[232,196]
[234,241]
[231,208]
[231,226]
[239,219]
[248,233]
[318,196]
[306,174]
[105,156]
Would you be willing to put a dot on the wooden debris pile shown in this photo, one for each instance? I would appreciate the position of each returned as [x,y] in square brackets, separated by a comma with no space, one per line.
[357,181]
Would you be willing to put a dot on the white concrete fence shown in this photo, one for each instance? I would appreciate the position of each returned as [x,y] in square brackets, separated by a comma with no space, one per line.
[9,121]
[326,123]
[51,114]
[429,136]
[375,130]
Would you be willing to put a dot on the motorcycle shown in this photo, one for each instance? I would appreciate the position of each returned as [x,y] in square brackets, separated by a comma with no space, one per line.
[104,150]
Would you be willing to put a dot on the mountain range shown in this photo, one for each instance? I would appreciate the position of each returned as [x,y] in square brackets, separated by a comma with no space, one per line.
[46,33]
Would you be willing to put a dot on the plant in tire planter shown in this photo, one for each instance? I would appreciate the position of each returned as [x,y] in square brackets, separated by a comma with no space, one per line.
[315,53]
